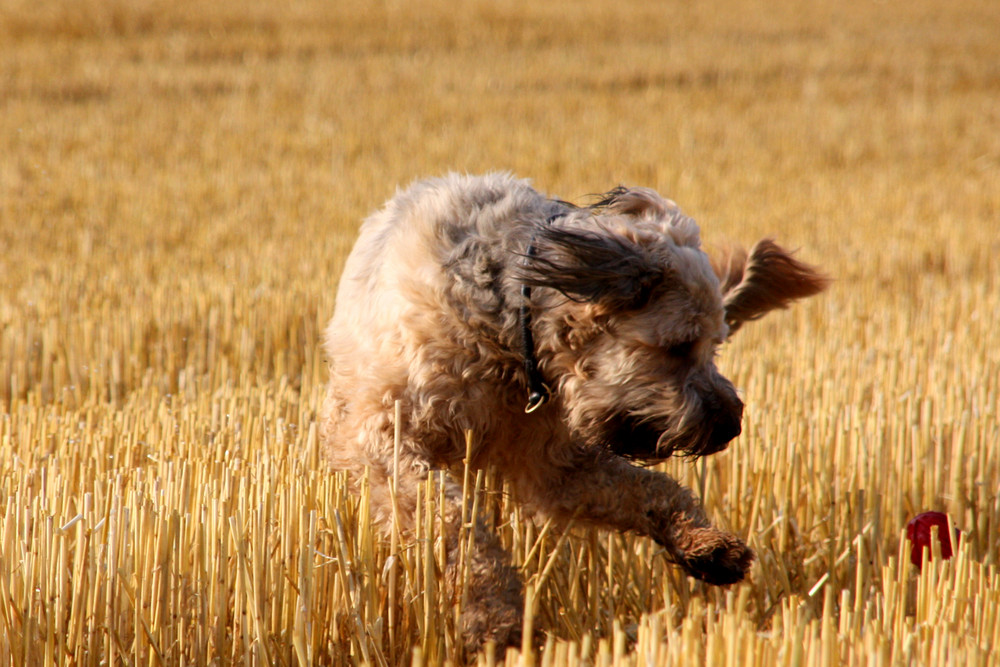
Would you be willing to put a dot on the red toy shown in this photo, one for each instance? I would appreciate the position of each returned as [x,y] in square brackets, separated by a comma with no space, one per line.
[918,531]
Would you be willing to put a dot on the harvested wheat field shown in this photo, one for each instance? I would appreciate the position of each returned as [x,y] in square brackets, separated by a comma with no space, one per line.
[180,183]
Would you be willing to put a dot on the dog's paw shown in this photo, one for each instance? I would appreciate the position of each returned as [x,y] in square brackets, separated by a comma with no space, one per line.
[715,557]
[486,621]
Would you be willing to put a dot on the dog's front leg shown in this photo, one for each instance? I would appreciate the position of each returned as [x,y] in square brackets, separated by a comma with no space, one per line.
[603,489]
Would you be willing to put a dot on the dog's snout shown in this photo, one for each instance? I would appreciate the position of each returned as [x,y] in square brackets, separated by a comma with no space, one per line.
[726,428]
[727,423]
[721,413]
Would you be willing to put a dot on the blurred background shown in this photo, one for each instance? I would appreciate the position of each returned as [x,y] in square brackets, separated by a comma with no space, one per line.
[180,183]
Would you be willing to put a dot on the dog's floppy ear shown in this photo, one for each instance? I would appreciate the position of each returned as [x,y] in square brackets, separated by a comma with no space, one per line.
[636,202]
[768,278]
[606,269]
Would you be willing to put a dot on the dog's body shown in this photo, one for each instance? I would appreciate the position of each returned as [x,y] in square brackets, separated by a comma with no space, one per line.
[457,281]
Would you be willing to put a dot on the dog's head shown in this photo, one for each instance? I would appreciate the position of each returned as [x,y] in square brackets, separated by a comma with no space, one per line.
[636,313]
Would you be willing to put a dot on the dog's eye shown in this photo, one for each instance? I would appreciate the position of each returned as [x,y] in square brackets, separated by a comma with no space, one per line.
[681,350]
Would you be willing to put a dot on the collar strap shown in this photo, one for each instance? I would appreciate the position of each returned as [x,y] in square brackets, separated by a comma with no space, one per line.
[538,392]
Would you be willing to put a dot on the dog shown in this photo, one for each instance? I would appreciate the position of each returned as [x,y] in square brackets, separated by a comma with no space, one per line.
[575,342]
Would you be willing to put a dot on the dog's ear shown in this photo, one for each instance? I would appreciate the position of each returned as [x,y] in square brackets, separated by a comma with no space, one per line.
[768,278]
[606,269]
[638,202]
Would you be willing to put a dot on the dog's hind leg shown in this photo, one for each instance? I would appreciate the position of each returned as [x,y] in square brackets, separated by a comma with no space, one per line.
[493,590]
[494,602]
[493,595]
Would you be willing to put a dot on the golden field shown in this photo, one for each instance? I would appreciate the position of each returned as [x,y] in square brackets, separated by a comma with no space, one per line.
[181,181]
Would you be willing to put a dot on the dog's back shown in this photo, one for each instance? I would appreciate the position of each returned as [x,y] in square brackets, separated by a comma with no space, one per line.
[404,250]
[420,274]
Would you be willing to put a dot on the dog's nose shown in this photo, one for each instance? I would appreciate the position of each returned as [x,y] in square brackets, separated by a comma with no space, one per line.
[726,428]
[727,423]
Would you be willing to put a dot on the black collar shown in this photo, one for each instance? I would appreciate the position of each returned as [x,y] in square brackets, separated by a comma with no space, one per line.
[538,392]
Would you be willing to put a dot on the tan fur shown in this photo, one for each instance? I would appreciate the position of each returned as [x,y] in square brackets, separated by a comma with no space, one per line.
[627,314]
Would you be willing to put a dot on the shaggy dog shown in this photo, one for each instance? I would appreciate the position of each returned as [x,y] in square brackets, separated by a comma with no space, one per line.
[465,297]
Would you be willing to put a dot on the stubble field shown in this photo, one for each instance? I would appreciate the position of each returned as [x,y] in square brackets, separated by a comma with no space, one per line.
[180,183]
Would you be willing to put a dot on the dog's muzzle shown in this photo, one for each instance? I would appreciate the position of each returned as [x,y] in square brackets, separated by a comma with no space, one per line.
[726,427]
[721,419]
[646,441]
[636,439]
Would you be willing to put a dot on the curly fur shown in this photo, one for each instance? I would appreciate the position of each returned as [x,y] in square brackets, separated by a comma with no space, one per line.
[627,316]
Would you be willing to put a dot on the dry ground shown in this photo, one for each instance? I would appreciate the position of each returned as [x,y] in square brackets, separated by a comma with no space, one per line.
[180,183]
